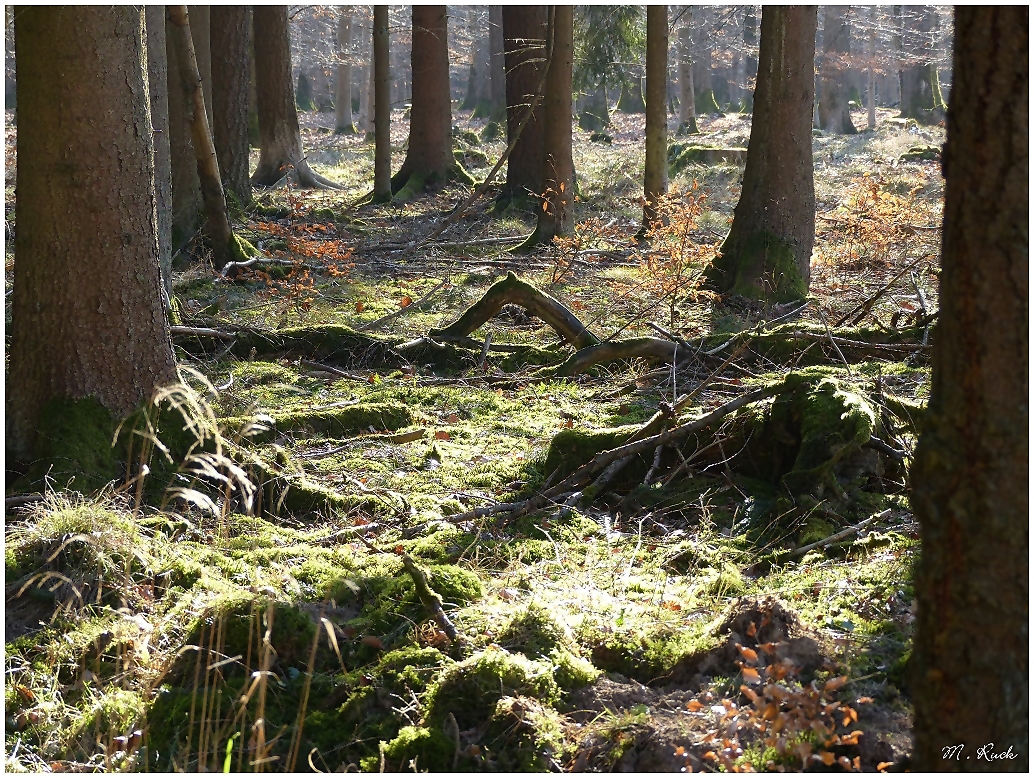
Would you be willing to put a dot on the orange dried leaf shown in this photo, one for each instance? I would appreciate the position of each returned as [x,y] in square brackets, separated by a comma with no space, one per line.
[372,642]
[694,705]
[749,693]
[750,675]
[680,751]
[835,683]
[747,653]
[442,435]
[752,630]
[882,766]
[826,757]
[406,302]
[360,307]
[711,755]
[863,700]
[845,763]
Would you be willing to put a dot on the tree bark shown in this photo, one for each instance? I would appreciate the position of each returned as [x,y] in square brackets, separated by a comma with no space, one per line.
[497,70]
[767,253]
[225,247]
[429,157]
[231,77]
[382,118]
[631,98]
[750,38]
[655,179]
[687,100]
[87,318]
[524,30]
[702,51]
[186,188]
[834,111]
[556,217]
[920,83]
[343,86]
[280,139]
[969,665]
[201,33]
[158,90]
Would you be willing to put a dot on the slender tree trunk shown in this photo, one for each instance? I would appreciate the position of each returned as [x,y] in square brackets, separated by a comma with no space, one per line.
[280,140]
[524,30]
[225,248]
[767,253]
[870,91]
[595,113]
[231,77]
[471,100]
[969,665]
[496,65]
[343,85]
[920,83]
[834,111]
[186,188]
[655,180]
[556,219]
[201,32]
[483,75]
[382,120]
[87,318]
[158,90]
[702,71]
[687,100]
[429,157]
[750,38]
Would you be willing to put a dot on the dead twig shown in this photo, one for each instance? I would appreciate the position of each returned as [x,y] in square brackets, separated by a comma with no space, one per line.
[401,311]
[797,553]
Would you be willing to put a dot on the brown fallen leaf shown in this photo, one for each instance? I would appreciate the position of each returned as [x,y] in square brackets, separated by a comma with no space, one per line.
[405,302]
[442,435]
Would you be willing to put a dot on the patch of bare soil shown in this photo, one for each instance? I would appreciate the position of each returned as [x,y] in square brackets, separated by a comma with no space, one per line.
[622,725]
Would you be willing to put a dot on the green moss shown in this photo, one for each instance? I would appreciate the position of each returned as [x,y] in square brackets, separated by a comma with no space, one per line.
[572,672]
[73,447]
[523,735]
[761,266]
[571,448]
[417,749]
[491,132]
[681,155]
[471,689]
[534,632]
[335,422]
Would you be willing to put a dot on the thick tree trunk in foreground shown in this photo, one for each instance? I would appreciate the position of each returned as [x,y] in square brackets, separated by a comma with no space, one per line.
[280,140]
[834,111]
[655,179]
[556,217]
[687,100]
[231,31]
[87,317]
[343,86]
[524,30]
[224,246]
[970,489]
[429,157]
[767,253]
[158,89]
[382,118]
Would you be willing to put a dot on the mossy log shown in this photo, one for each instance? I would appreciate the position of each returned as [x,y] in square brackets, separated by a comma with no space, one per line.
[332,422]
[512,290]
[613,350]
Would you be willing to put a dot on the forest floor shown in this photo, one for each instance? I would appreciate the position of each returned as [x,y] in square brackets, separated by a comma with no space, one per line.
[663,623]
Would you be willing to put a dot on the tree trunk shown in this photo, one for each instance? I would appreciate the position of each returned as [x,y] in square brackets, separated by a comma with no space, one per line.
[382,119]
[767,253]
[158,90]
[750,38]
[834,111]
[702,50]
[631,99]
[524,30]
[87,318]
[280,140]
[482,77]
[687,100]
[595,114]
[186,188]
[556,218]
[343,86]
[969,665]
[231,77]
[201,33]
[655,180]
[429,157]
[225,247]
[471,100]
[497,70]
[920,83]
[870,87]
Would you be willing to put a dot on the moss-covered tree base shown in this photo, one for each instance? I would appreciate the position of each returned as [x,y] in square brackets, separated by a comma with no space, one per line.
[759,266]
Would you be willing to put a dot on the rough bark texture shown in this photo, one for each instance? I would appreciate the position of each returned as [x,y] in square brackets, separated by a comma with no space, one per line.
[970,479]
[230,33]
[834,111]
[768,251]
[279,138]
[556,219]
[429,157]
[687,100]
[750,39]
[87,317]
[158,90]
[382,118]
[655,179]
[524,30]
[343,86]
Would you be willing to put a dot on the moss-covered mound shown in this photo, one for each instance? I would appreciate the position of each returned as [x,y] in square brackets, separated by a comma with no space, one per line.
[333,422]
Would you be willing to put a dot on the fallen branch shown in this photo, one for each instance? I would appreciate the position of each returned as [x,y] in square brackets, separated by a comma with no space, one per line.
[798,553]
[859,312]
[202,332]
[401,311]
[589,357]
